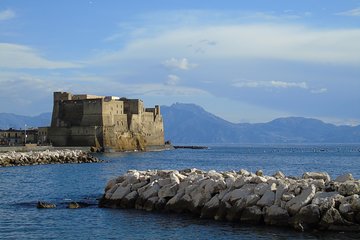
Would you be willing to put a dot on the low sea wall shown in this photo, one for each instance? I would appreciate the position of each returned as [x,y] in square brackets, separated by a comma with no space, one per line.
[45,157]
[313,201]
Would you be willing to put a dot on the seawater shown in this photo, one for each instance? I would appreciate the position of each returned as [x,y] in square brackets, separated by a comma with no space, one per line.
[22,187]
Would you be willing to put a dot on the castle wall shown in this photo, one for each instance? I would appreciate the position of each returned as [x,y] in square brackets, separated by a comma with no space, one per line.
[88,120]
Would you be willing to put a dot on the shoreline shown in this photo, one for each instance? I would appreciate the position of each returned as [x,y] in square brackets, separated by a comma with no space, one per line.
[60,156]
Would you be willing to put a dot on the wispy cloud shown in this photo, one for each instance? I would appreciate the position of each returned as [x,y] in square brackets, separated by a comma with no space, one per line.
[270,84]
[7,14]
[181,63]
[319,91]
[242,41]
[20,56]
[172,80]
[352,13]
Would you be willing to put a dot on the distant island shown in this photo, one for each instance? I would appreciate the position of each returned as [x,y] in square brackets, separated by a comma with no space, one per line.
[191,124]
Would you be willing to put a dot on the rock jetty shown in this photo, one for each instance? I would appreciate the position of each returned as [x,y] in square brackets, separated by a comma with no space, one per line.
[312,201]
[45,157]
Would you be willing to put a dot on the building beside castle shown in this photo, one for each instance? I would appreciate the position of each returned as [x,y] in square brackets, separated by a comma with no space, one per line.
[109,123]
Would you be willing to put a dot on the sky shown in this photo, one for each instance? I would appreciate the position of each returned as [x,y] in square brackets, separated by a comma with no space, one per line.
[245,61]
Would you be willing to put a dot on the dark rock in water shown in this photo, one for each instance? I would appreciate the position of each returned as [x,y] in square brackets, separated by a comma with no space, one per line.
[252,215]
[45,205]
[73,205]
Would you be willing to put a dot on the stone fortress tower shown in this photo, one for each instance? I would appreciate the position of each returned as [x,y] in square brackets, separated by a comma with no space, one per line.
[107,123]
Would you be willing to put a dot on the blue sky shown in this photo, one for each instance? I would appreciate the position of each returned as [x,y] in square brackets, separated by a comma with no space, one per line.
[246,61]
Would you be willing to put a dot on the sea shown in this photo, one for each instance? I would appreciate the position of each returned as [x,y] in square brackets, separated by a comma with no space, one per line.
[22,187]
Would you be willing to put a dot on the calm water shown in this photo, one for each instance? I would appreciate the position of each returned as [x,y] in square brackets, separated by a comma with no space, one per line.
[22,187]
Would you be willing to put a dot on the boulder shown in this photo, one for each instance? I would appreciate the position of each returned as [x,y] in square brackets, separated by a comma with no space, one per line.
[241,193]
[261,188]
[45,205]
[349,188]
[317,175]
[294,205]
[169,190]
[355,205]
[120,192]
[210,208]
[73,205]
[151,191]
[252,199]
[345,177]
[279,193]
[252,215]
[150,203]
[222,211]
[275,215]
[331,217]
[279,175]
[322,197]
[267,199]
[308,216]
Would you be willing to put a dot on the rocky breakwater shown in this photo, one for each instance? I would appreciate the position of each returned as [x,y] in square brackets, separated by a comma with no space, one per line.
[45,157]
[313,201]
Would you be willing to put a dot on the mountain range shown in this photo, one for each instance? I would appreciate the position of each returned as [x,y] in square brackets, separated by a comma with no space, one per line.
[191,124]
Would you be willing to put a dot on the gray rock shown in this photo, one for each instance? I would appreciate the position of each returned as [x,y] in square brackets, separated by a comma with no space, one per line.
[252,199]
[317,175]
[309,215]
[322,197]
[261,188]
[331,217]
[294,205]
[275,215]
[279,175]
[210,208]
[345,177]
[349,188]
[267,199]
[150,203]
[252,215]
[169,190]
[120,192]
[242,192]
[45,205]
[355,205]
[279,193]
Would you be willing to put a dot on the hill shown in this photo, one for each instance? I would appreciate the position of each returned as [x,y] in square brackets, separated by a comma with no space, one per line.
[10,120]
[189,123]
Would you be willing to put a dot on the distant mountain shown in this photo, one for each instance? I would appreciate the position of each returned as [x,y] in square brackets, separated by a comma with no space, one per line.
[189,123]
[9,120]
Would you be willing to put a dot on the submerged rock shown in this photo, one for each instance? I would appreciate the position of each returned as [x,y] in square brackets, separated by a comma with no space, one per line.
[45,205]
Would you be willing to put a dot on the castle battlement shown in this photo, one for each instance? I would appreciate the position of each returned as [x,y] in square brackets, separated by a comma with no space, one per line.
[104,122]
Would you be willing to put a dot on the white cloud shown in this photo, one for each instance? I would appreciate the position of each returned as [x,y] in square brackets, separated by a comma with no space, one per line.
[182,63]
[352,13]
[243,41]
[6,15]
[270,84]
[20,56]
[172,80]
[318,91]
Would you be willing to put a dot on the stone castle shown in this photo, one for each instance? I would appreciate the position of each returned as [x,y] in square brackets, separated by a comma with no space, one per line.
[107,123]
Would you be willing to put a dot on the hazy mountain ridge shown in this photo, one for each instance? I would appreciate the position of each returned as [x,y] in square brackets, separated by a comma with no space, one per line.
[189,123]
[10,120]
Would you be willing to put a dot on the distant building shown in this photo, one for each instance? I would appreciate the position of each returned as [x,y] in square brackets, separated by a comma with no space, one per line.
[104,122]
[13,137]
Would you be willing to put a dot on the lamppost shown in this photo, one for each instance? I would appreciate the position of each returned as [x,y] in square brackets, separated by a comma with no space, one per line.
[25,136]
